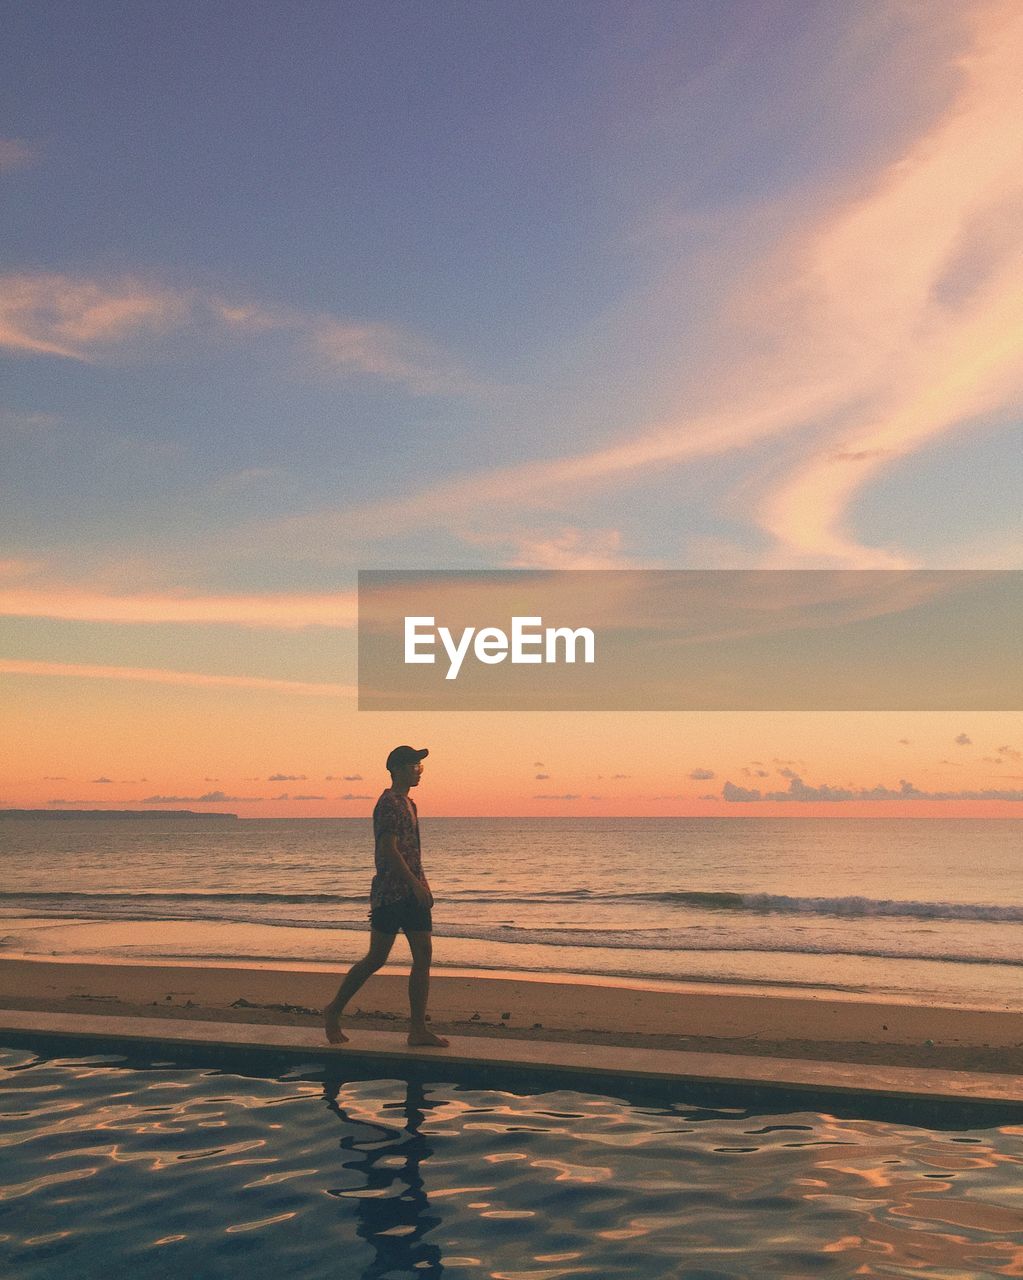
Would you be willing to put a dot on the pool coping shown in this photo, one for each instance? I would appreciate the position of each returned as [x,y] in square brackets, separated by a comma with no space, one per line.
[597,1064]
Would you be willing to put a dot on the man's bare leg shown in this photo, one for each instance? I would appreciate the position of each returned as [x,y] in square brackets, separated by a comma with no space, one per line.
[421,945]
[379,949]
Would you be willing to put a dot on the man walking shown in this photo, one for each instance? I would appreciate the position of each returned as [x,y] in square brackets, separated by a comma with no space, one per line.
[400,898]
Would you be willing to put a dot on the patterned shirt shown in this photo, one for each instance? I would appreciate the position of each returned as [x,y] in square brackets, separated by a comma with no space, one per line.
[395,814]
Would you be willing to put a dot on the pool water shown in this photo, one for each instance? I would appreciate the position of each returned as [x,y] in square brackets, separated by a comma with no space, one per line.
[148,1168]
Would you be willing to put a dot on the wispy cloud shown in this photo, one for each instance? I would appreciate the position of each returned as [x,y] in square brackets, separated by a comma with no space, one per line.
[544,484]
[287,612]
[16,154]
[383,352]
[916,289]
[566,547]
[247,479]
[25,423]
[90,319]
[875,323]
[62,316]
[196,679]
[344,346]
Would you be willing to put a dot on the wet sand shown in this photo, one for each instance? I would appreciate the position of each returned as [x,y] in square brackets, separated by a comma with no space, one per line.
[705,1019]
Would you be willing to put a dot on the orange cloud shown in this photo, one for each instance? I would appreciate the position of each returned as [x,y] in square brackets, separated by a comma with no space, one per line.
[287,612]
[345,346]
[566,547]
[81,319]
[918,288]
[388,353]
[539,485]
[89,671]
[869,329]
[58,315]
[799,792]
[15,154]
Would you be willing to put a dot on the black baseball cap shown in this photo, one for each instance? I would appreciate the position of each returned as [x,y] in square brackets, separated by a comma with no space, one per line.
[401,756]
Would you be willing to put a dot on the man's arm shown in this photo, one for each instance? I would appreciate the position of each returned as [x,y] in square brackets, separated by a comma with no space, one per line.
[387,847]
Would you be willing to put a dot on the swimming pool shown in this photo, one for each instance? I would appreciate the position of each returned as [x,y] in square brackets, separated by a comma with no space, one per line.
[146,1167]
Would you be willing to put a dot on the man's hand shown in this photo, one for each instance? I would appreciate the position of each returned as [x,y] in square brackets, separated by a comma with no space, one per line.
[423,895]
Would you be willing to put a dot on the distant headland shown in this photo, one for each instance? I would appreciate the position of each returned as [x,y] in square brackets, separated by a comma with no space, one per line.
[110,813]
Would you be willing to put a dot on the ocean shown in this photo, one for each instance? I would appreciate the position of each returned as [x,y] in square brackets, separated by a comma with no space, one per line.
[921,909]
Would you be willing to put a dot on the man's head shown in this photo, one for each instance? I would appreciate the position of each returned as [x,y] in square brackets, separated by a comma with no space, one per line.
[404,764]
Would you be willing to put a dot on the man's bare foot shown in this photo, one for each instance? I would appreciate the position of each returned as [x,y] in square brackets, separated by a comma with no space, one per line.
[427,1039]
[330,1022]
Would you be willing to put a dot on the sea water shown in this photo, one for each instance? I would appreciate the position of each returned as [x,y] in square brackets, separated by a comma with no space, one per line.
[922,909]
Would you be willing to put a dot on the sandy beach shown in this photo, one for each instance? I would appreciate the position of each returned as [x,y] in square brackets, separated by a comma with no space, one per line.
[712,1019]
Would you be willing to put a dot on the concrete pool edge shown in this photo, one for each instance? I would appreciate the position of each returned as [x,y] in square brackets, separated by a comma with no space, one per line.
[578,1063]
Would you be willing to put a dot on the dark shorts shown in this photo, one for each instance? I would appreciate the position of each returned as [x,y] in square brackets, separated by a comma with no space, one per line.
[407,916]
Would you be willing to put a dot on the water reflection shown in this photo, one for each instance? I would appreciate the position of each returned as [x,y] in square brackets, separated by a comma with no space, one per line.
[392,1208]
[122,1157]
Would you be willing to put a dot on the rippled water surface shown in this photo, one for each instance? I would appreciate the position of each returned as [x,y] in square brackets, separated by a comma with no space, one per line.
[152,1169]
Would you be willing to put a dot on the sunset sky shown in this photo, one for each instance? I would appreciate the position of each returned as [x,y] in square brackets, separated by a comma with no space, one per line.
[293,290]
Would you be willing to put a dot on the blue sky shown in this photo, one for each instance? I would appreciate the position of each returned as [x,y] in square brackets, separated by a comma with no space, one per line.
[542,214]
